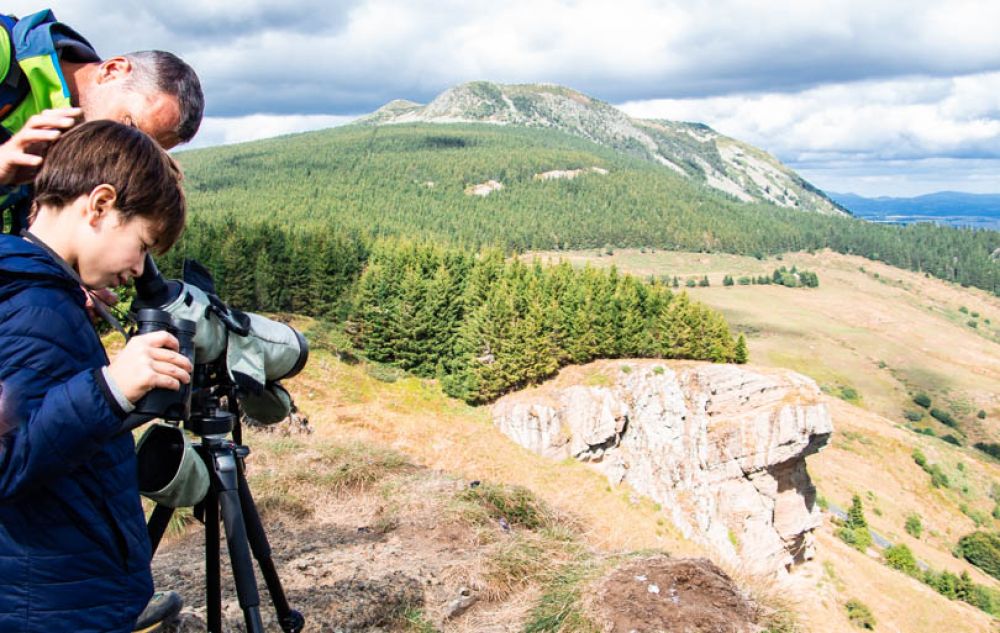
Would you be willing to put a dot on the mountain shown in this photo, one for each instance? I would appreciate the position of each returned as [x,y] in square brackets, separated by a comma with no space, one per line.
[947,207]
[693,150]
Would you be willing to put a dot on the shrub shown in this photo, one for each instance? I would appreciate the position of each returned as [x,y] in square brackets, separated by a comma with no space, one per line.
[938,478]
[982,549]
[914,526]
[913,416]
[743,281]
[963,310]
[860,615]
[944,418]
[981,415]
[515,504]
[951,439]
[919,458]
[943,582]
[858,538]
[972,324]
[849,394]
[978,517]
[922,399]
[991,449]
[900,557]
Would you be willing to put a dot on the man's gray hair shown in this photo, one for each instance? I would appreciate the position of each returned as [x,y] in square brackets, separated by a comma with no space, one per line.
[160,71]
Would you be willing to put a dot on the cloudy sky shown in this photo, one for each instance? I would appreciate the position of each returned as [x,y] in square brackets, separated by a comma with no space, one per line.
[891,97]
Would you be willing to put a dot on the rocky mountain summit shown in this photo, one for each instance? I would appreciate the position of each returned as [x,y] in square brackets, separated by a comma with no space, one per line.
[692,150]
[721,447]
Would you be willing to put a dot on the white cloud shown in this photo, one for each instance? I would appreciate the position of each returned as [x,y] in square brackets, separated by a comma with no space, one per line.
[812,81]
[876,123]
[369,51]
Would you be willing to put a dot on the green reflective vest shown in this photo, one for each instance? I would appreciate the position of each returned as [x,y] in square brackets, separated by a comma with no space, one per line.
[31,80]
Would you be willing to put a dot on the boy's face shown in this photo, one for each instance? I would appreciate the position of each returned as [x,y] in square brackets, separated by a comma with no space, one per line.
[116,251]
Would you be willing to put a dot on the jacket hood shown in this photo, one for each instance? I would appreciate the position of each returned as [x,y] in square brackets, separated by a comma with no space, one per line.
[23,263]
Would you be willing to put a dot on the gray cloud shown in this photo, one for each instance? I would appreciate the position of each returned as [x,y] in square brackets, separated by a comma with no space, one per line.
[350,57]
[817,81]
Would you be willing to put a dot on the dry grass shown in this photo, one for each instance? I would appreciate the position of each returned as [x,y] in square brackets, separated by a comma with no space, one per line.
[412,416]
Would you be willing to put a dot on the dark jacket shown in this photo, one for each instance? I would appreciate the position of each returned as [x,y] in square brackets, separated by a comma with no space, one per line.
[74,553]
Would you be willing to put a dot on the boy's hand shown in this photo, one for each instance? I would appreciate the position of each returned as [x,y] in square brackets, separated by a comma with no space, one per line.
[23,153]
[147,362]
[106,296]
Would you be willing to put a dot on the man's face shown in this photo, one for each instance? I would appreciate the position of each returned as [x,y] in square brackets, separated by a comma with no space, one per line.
[157,115]
[115,251]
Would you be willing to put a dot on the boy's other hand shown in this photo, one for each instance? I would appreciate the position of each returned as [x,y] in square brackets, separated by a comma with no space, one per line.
[23,153]
[106,296]
[149,361]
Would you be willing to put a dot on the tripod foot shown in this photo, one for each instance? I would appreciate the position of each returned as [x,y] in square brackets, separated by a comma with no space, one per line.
[294,622]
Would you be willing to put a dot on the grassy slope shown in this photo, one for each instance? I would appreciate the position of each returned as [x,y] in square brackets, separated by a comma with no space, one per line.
[838,334]
[346,403]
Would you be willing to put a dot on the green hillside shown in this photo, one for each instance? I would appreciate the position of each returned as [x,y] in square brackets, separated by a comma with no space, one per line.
[412,180]
[407,179]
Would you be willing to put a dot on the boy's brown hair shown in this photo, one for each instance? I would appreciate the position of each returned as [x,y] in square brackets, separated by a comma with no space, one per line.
[146,179]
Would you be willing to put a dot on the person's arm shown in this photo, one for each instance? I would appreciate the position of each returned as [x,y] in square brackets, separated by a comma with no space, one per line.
[52,427]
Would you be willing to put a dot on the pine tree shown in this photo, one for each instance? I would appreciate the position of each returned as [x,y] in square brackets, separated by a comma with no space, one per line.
[856,515]
[741,355]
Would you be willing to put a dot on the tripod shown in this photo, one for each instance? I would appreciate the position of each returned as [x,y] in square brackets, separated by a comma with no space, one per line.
[229,493]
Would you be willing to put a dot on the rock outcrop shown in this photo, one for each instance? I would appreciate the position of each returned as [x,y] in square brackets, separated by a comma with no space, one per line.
[721,447]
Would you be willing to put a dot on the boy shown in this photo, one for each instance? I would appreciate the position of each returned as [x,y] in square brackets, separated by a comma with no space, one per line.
[74,554]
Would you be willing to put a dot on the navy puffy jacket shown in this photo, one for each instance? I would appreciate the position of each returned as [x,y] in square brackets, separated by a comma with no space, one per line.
[74,553]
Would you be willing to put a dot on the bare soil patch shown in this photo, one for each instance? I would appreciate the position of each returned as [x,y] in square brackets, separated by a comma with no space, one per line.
[661,594]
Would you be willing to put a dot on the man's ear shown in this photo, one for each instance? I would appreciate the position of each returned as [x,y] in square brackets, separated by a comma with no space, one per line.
[100,203]
[114,68]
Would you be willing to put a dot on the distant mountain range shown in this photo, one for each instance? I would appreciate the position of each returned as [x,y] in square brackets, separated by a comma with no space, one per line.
[693,150]
[944,207]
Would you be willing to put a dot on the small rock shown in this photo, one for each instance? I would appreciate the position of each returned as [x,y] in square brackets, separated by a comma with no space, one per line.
[653,589]
[461,604]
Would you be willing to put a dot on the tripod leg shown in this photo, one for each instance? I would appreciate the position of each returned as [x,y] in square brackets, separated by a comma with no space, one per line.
[291,621]
[157,524]
[236,538]
[213,580]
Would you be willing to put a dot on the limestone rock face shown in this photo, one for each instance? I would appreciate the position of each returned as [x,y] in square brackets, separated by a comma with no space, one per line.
[721,447]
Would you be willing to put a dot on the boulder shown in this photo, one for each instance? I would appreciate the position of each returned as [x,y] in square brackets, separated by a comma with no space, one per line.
[721,447]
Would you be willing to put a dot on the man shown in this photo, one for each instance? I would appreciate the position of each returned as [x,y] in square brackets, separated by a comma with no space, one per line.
[50,76]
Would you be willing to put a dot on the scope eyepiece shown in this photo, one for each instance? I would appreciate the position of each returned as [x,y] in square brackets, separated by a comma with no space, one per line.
[164,403]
